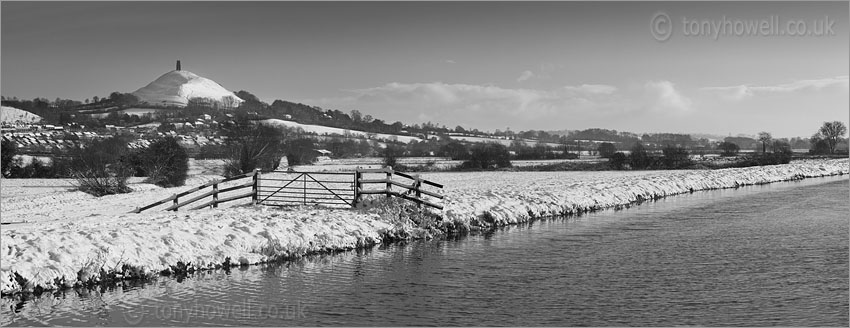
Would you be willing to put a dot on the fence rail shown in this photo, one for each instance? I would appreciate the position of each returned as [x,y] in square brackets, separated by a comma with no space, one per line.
[283,188]
[214,192]
[412,191]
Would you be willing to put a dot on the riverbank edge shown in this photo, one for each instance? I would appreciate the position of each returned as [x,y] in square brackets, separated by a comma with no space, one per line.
[457,225]
[669,183]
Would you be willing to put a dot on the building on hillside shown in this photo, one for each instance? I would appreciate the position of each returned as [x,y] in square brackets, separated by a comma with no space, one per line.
[324,152]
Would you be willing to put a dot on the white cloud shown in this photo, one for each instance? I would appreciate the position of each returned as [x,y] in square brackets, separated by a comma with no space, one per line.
[737,92]
[740,92]
[662,96]
[592,89]
[525,75]
[443,94]
[449,61]
[494,107]
[481,106]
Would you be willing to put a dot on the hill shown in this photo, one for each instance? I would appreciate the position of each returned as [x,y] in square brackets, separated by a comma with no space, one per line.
[175,88]
[12,115]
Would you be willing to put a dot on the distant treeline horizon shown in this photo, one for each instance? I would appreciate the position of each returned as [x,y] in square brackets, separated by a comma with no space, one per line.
[64,111]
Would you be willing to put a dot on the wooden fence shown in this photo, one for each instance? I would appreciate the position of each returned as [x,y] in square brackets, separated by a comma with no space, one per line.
[283,188]
[410,187]
[214,191]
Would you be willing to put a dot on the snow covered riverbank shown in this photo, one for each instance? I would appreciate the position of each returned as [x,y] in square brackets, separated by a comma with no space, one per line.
[487,199]
[57,254]
[99,242]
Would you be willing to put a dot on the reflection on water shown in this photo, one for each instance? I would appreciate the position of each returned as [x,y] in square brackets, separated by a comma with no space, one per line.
[762,255]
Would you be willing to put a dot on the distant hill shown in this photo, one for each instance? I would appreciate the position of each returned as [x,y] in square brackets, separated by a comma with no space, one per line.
[13,115]
[175,88]
[712,137]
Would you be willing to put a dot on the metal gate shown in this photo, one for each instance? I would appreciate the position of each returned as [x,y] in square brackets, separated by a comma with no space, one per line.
[282,188]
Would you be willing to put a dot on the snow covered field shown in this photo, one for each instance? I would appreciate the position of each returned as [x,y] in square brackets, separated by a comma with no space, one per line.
[349,164]
[38,200]
[68,237]
[12,115]
[505,142]
[321,130]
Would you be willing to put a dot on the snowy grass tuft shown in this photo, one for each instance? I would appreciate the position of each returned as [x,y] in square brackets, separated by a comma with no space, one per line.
[408,220]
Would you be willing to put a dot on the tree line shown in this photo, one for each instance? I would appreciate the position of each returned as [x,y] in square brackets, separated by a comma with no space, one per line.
[823,142]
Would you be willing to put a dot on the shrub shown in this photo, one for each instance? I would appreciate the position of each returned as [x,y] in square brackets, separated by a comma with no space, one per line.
[675,157]
[165,163]
[15,168]
[7,154]
[390,155]
[134,160]
[639,159]
[618,160]
[98,168]
[783,155]
[819,146]
[38,169]
[729,148]
[300,151]
[455,150]
[253,147]
[764,159]
[487,156]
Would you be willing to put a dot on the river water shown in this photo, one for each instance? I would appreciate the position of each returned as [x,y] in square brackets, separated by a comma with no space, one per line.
[755,256]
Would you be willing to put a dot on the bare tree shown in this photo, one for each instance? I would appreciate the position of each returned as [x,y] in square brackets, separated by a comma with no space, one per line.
[356,117]
[100,168]
[765,138]
[831,132]
[254,146]
[228,102]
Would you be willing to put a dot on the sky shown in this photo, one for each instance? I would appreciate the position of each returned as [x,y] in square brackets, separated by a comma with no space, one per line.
[494,65]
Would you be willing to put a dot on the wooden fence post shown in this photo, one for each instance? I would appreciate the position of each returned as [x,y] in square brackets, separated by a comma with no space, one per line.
[305,189]
[417,185]
[255,187]
[389,171]
[175,201]
[215,195]
[356,188]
